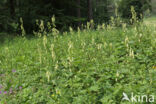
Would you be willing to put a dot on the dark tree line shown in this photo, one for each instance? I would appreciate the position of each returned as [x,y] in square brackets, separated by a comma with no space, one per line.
[67,12]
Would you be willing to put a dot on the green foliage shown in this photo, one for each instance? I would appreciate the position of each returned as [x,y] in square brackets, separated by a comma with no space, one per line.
[6,22]
[65,11]
[139,6]
[30,11]
[103,10]
[81,67]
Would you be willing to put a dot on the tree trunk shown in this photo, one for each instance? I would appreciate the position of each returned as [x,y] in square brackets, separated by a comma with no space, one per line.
[12,8]
[90,11]
[78,12]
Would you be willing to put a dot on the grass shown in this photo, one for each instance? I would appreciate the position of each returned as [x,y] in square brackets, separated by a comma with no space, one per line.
[86,67]
[150,20]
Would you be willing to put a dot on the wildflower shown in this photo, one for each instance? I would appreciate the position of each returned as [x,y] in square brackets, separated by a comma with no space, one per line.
[13,70]
[1,86]
[20,87]
[0,92]
[10,91]
[5,92]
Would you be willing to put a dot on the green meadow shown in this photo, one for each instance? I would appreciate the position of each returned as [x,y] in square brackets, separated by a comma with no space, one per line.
[79,67]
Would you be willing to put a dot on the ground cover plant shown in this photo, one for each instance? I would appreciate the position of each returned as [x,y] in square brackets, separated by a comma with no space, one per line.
[83,67]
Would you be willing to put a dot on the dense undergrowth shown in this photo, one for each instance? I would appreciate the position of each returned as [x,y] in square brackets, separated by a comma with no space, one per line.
[84,67]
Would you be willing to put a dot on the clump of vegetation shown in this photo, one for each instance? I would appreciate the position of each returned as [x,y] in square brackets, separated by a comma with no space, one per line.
[88,66]
[68,13]
[89,63]
[140,6]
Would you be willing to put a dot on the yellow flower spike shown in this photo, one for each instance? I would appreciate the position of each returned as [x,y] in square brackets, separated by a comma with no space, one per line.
[48,75]
[22,27]
[99,46]
[154,67]
[58,92]
[53,95]
[88,25]
[53,52]
[140,35]
[70,46]
[105,44]
[111,45]
[92,24]
[56,65]
[78,31]
[65,33]
[103,26]
[117,74]
[42,25]
[53,19]
[71,30]
[98,27]
[44,41]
